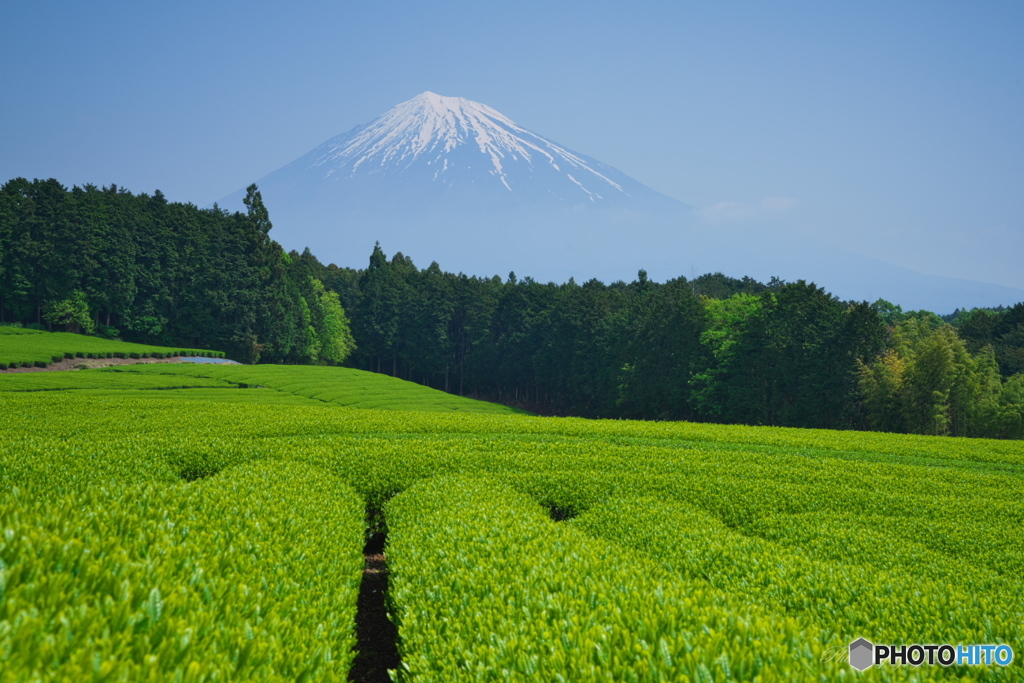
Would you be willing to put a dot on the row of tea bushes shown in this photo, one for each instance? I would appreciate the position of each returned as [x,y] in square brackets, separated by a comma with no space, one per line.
[251,574]
[485,586]
[99,380]
[31,348]
[340,386]
[767,525]
[899,591]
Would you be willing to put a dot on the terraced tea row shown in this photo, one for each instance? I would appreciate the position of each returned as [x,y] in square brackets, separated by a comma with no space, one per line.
[32,348]
[487,587]
[784,543]
[341,386]
[845,574]
[249,575]
[274,385]
[97,380]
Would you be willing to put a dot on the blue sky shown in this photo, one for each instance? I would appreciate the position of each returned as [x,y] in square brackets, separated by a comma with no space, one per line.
[893,129]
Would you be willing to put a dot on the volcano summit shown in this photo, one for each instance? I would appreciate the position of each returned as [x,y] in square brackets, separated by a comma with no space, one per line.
[452,180]
[457,143]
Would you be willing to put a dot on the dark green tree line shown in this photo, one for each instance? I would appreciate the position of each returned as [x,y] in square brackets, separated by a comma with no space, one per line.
[715,348]
[145,269]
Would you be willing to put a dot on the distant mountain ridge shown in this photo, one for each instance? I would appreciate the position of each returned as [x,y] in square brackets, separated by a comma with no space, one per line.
[450,180]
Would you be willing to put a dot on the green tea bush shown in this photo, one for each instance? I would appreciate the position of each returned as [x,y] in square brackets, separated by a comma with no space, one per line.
[22,346]
[99,380]
[248,575]
[487,587]
[343,386]
[747,551]
[849,595]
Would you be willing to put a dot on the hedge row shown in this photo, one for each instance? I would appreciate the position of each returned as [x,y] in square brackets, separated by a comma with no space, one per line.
[252,574]
[8,365]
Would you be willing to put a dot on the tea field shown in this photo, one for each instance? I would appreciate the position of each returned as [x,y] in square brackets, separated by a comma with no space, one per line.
[25,348]
[154,528]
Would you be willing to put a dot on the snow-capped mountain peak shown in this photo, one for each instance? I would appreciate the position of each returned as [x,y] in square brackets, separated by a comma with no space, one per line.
[449,136]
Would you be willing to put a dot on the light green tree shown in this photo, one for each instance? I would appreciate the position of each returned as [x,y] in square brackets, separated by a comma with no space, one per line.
[332,330]
[72,312]
[881,384]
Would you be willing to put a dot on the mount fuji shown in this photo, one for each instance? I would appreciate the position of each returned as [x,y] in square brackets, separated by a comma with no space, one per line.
[450,180]
[454,181]
[456,145]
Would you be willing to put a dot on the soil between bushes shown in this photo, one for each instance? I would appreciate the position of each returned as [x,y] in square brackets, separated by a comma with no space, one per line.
[77,363]
[377,647]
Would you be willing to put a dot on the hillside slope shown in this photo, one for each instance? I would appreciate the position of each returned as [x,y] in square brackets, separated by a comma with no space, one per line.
[332,385]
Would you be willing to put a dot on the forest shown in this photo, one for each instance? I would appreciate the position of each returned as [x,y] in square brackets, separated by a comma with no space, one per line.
[712,348]
[137,267]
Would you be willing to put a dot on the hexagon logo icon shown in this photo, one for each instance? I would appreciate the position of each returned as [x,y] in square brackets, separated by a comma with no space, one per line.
[861,654]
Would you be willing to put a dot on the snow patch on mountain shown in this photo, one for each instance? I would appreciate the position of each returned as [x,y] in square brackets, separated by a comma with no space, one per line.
[435,130]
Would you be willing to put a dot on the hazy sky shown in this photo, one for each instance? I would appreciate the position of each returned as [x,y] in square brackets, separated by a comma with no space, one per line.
[892,128]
